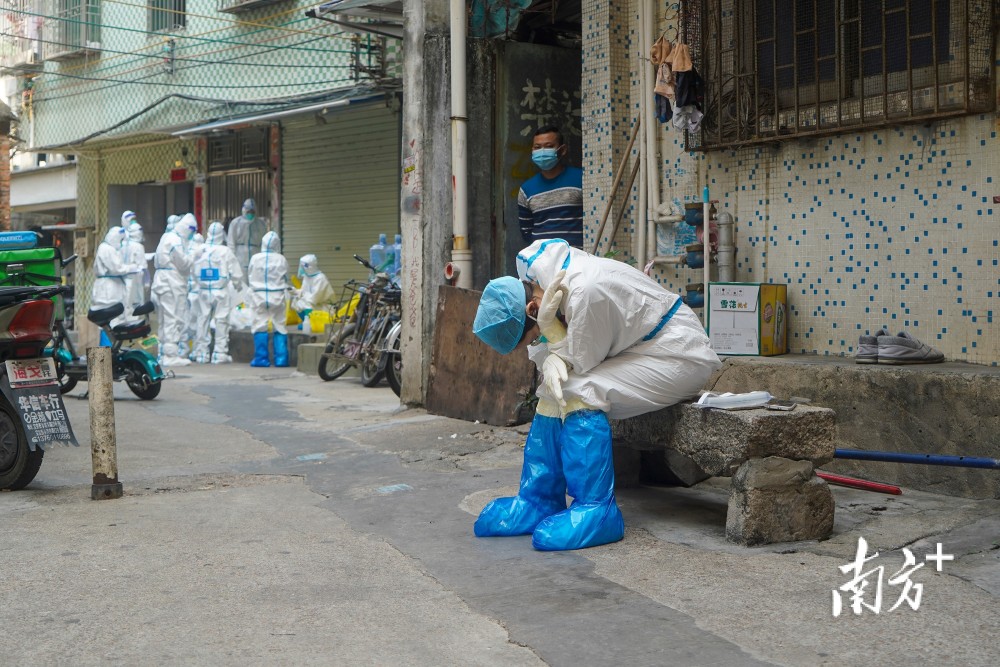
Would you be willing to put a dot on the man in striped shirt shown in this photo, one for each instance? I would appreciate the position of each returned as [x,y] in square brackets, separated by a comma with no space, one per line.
[550,203]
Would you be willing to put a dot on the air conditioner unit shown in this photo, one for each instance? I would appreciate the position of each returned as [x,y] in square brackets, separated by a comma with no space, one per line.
[29,57]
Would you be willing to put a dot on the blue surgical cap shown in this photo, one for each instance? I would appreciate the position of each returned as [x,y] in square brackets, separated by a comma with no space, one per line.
[500,319]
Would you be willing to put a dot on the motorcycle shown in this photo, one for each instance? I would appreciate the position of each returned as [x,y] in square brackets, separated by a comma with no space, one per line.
[32,414]
[137,367]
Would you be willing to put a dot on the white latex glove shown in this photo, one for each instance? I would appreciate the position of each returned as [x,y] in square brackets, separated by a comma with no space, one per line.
[552,299]
[555,371]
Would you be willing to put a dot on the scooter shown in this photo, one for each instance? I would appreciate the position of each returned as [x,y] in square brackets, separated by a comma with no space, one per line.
[32,414]
[137,367]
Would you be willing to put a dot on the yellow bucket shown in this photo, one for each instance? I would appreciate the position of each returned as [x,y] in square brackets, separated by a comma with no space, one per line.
[318,319]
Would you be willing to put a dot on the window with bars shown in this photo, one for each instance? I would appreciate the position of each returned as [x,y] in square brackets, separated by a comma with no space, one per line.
[166,15]
[778,69]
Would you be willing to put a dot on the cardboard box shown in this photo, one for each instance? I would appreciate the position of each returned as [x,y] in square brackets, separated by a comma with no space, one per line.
[748,318]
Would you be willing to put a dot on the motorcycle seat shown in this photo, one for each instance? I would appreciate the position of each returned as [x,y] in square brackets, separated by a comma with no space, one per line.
[144,309]
[101,316]
[130,331]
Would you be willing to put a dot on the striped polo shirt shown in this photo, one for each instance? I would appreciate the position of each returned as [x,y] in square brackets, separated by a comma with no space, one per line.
[552,208]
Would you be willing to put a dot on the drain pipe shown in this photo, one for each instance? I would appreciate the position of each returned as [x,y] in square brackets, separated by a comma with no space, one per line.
[725,257]
[707,245]
[461,255]
[656,213]
[646,228]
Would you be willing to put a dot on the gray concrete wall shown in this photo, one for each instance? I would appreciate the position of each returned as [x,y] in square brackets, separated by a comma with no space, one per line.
[950,409]
[483,230]
[425,197]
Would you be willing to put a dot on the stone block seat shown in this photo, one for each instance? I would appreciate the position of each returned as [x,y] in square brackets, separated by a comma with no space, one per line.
[771,455]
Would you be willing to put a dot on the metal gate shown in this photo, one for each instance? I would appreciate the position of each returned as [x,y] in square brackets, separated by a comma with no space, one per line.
[340,186]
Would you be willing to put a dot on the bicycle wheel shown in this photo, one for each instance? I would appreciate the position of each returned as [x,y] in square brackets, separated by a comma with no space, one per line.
[394,369]
[332,368]
[370,374]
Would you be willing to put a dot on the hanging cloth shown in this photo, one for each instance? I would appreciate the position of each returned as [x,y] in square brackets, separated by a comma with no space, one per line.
[660,51]
[679,58]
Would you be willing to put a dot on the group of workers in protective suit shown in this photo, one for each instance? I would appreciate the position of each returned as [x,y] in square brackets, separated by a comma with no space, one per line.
[199,281]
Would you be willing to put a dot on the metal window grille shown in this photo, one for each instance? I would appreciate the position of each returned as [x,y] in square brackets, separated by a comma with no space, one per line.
[166,15]
[71,27]
[780,69]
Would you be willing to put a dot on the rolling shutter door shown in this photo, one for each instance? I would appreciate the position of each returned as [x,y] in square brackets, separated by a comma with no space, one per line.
[340,187]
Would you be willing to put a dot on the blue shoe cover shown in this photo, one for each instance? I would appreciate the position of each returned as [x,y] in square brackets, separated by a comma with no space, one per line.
[260,354]
[594,517]
[543,487]
[582,525]
[281,350]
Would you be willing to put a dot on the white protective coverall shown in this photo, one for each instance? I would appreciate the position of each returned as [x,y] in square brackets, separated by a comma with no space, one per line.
[219,278]
[315,290]
[135,283]
[267,276]
[632,346]
[628,347]
[169,289]
[110,272]
[243,234]
[194,311]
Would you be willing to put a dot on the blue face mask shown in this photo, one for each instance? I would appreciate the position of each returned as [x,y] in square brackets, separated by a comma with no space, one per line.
[249,216]
[545,158]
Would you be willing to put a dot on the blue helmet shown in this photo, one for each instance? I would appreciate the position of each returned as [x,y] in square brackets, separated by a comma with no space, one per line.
[500,318]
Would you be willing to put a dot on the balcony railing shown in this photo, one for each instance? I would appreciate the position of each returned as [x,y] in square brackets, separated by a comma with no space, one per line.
[238,6]
[73,30]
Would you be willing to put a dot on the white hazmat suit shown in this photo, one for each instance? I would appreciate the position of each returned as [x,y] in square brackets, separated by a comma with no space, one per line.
[632,346]
[624,346]
[267,276]
[219,278]
[135,283]
[315,290]
[169,289]
[194,312]
[243,234]
[110,272]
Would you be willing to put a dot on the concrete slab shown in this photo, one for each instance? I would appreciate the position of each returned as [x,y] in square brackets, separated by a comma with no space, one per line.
[947,408]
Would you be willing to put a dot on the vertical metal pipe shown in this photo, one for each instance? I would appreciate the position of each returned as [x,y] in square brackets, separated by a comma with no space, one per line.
[103,447]
[461,255]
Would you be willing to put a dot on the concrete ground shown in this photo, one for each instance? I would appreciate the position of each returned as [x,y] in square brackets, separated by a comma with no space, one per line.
[271,518]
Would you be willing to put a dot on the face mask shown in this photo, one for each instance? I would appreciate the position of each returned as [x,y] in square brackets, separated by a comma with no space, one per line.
[302,272]
[545,158]
[249,216]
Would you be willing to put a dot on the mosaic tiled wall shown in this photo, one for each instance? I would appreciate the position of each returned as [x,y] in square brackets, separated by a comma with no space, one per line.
[888,227]
[223,58]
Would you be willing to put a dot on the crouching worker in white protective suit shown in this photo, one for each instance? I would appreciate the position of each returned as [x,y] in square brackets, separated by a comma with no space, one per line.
[268,279]
[624,346]
[170,287]
[111,271]
[219,277]
[315,290]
